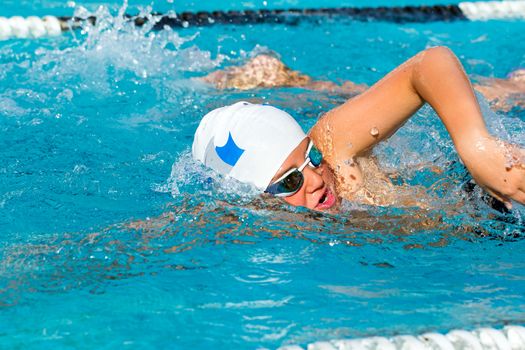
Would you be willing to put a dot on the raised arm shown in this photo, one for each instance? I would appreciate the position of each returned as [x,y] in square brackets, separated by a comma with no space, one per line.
[434,76]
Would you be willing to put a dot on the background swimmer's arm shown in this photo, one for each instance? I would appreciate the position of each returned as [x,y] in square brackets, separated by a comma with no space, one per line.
[260,71]
[434,76]
[264,71]
[504,94]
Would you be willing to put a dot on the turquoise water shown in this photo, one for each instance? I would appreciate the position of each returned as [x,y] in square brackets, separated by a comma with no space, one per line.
[113,237]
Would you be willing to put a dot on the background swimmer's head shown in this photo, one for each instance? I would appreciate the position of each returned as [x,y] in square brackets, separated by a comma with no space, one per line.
[248,142]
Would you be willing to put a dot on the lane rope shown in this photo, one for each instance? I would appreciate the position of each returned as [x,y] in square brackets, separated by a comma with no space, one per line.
[30,27]
[487,10]
[508,338]
[35,27]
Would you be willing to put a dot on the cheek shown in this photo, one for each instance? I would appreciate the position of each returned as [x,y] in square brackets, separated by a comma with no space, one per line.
[297,200]
[328,176]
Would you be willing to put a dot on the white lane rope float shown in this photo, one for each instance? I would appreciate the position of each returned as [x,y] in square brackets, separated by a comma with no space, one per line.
[30,27]
[35,27]
[508,338]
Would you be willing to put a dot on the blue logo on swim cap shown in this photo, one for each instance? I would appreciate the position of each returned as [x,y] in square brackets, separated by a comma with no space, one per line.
[230,152]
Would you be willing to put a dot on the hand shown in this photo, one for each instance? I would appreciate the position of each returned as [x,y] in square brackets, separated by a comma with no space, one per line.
[496,166]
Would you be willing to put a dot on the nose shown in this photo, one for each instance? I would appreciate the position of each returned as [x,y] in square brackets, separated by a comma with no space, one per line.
[313,178]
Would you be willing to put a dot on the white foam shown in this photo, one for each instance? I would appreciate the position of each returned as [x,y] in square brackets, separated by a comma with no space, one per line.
[114,48]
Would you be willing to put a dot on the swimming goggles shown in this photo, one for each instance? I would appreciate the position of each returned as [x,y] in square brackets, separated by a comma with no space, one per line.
[293,179]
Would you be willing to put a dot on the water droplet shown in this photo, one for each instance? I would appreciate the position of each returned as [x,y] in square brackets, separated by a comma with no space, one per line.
[349,162]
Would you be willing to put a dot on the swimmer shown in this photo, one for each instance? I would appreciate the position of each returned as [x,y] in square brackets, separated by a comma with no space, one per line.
[266,147]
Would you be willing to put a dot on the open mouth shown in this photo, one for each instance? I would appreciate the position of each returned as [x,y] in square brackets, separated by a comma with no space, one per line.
[326,201]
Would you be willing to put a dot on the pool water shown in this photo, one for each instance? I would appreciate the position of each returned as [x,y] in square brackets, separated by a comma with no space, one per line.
[113,237]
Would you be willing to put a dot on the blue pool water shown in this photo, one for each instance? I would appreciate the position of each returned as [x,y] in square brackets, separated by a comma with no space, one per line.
[112,237]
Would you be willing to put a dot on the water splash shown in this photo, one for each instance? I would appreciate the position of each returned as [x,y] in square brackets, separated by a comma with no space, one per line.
[114,51]
[188,176]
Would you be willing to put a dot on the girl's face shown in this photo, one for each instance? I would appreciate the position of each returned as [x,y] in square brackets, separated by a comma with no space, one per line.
[318,189]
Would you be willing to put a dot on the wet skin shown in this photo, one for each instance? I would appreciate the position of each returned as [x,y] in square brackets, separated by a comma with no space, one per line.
[318,189]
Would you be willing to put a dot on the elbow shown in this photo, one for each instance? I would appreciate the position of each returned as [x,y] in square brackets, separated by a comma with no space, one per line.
[431,68]
[439,60]
[440,53]
[437,55]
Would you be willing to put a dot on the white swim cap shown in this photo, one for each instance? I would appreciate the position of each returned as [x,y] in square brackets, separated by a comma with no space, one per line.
[246,141]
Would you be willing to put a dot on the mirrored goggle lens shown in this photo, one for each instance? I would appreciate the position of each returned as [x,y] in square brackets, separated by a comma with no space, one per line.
[315,156]
[287,186]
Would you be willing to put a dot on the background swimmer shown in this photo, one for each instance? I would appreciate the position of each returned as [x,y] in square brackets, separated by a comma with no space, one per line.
[266,70]
[347,133]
